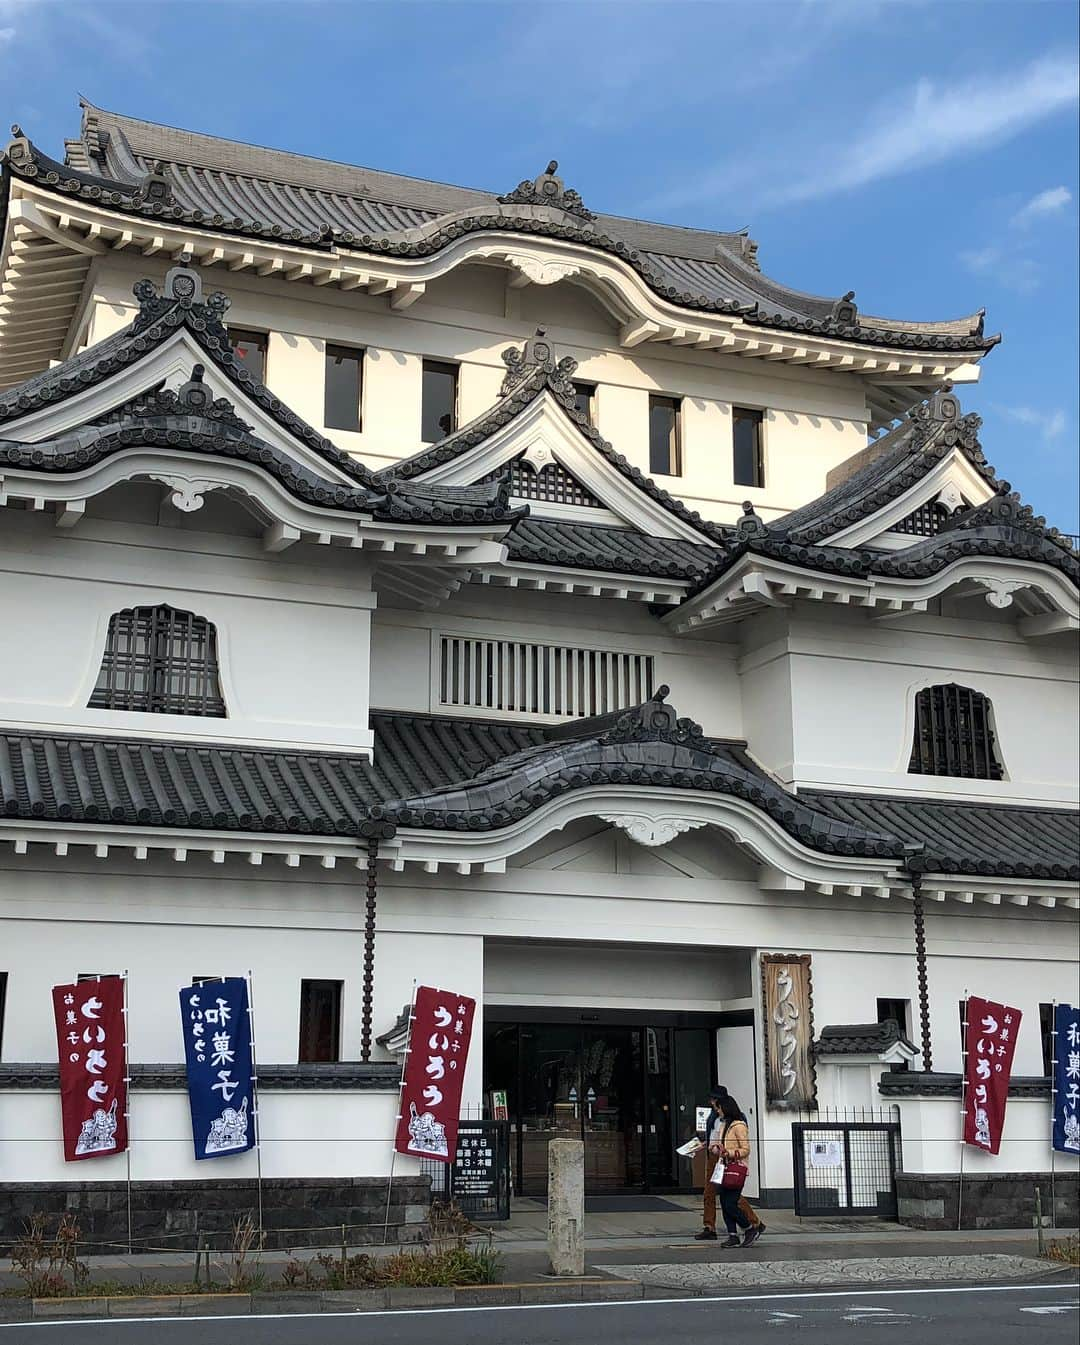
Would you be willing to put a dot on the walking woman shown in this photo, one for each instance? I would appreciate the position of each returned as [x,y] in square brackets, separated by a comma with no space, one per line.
[731,1172]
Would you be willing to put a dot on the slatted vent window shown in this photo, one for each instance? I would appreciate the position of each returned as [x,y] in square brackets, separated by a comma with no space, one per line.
[953,735]
[926,521]
[160,661]
[540,680]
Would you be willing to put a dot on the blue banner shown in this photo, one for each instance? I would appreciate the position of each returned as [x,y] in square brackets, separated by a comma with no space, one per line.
[217,1044]
[1067,1078]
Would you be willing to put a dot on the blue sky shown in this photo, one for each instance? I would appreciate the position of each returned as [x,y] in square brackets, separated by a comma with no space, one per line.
[923,154]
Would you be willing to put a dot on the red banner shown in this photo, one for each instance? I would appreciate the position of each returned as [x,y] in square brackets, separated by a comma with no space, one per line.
[990,1043]
[90,1041]
[434,1073]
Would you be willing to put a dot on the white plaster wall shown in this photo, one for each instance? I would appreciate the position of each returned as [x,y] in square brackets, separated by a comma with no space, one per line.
[293,634]
[165,922]
[352,1137]
[931,1128]
[701,673]
[814,420]
[853,683]
[614,977]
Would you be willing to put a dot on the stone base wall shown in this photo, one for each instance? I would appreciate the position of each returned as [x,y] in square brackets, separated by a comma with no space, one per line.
[990,1200]
[296,1212]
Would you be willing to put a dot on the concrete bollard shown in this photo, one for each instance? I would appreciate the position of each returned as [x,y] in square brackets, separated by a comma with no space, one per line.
[566,1207]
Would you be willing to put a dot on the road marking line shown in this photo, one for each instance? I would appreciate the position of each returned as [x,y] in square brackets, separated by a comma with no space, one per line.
[552,1307]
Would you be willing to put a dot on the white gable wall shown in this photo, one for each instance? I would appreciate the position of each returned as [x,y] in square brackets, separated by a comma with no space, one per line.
[814,420]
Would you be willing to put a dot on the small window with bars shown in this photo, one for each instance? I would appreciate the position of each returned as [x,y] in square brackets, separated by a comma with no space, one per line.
[159,660]
[540,680]
[954,734]
[926,521]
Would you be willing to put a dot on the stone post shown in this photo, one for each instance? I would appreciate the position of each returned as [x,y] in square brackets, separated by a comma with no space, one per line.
[566,1207]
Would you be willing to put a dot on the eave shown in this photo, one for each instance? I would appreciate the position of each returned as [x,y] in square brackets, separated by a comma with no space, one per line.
[896,377]
[1043,600]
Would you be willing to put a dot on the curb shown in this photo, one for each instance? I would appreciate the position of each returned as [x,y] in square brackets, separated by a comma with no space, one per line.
[326,1300]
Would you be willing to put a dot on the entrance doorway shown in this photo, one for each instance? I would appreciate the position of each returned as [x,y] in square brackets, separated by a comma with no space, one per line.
[629,1090]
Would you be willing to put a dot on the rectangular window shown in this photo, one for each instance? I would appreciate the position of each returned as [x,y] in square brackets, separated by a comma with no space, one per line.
[93,976]
[251,348]
[749,463]
[521,678]
[344,387]
[320,1021]
[665,436]
[438,412]
[585,400]
[3,1003]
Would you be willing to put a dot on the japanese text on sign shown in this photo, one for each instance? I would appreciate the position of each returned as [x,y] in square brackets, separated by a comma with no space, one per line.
[93,1066]
[990,1042]
[431,1096]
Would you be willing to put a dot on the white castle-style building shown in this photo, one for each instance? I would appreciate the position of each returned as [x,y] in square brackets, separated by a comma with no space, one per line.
[402,584]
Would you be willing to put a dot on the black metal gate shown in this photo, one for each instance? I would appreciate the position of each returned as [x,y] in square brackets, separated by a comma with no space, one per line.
[478,1181]
[846,1167]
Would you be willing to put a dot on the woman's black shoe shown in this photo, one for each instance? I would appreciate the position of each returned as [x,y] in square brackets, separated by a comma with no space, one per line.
[751,1235]
[731,1242]
[706,1235]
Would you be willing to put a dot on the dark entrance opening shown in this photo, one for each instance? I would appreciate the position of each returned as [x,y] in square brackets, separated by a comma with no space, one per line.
[627,1084]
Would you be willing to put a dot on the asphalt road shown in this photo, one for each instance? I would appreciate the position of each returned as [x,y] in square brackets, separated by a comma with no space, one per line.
[980,1315]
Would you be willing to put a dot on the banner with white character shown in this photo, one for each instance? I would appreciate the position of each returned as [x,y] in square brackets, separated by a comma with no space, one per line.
[217,1045]
[1067,1079]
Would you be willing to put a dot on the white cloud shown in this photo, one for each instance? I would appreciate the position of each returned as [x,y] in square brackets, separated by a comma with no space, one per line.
[6,35]
[911,129]
[938,121]
[1022,275]
[1048,202]
[1052,424]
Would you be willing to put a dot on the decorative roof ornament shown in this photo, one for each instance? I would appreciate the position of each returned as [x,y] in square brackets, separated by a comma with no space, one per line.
[537,355]
[1005,510]
[19,152]
[941,419]
[548,189]
[750,525]
[844,312]
[193,398]
[655,720]
[183,287]
[155,188]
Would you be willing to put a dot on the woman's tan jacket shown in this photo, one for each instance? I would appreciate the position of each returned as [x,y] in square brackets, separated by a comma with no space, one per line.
[736,1141]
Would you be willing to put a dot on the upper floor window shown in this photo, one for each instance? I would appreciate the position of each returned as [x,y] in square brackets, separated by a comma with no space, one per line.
[749,457]
[160,661]
[251,348]
[438,413]
[344,387]
[665,436]
[953,734]
[585,400]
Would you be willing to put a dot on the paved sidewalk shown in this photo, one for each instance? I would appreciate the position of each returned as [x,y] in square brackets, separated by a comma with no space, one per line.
[634,1245]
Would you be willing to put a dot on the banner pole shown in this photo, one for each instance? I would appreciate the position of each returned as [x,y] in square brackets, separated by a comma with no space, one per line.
[963,1111]
[1053,1112]
[401,1092]
[255,1102]
[127,1110]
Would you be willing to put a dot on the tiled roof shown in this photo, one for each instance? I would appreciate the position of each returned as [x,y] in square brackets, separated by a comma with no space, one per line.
[860,1038]
[140,167]
[542,541]
[441,771]
[966,837]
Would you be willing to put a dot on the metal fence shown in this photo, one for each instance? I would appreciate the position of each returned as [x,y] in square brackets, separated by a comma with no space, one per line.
[845,1163]
[478,1181]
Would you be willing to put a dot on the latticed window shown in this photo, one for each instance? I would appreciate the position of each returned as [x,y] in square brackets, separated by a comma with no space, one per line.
[552,484]
[160,661]
[926,521]
[953,734]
